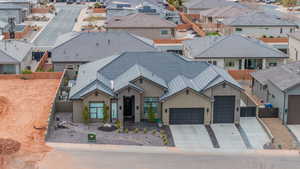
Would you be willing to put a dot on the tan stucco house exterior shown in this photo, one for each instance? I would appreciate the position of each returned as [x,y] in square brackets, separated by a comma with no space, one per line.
[179,91]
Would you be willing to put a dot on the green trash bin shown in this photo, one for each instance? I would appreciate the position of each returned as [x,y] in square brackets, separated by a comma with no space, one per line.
[92,137]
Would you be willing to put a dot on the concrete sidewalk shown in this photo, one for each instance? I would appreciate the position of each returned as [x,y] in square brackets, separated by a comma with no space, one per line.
[191,137]
[254,131]
[228,136]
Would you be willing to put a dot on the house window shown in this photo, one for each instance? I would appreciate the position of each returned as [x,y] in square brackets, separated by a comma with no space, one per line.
[114,110]
[96,110]
[281,30]
[150,103]
[272,64]
[229,63]
[238,29]
[291,30]
[164,32]
[214,62]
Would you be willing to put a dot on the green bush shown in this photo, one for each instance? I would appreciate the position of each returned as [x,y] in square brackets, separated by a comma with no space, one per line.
[126,130]
[136,130]
[145,130]
[118,124]
[85,115]
[151,114]
[26,71]
[105,114]
[154,132]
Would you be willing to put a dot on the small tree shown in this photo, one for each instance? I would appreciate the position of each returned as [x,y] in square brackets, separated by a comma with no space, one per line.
[151,113]
[85,114]
[105,113]
[7,147]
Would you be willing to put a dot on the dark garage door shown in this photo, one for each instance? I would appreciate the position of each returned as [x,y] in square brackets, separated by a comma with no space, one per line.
[224,109]
[294,109]
[186,115]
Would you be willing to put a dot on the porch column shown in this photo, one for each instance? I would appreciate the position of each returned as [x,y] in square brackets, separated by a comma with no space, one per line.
[137,108]
[120,111]
[264,64]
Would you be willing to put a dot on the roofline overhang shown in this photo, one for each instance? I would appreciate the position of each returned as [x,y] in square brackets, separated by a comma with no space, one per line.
[197,92]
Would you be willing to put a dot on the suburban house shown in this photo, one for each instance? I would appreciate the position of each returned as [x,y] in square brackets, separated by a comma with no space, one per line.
[234,52]
[154,7]
[3,26]
[258,24]
[294,46]
[12,10]
[76,48]
[280,86]
[149,26]
[196,6]
[15,56]
[218,14]
[177,90]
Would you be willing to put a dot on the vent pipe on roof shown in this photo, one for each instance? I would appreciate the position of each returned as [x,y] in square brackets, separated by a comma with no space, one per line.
[108,41]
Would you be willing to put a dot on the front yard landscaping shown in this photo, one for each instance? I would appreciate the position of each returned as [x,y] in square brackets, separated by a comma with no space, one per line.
[133,134]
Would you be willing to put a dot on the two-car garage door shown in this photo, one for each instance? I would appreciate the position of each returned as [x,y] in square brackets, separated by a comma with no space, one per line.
[186,115]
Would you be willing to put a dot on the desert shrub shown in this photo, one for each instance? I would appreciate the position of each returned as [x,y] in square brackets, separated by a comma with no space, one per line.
[85,114]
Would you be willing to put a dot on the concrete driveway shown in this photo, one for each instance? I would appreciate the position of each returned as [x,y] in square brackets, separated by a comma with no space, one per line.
[191,137]
[254,131]
[295,129]
[228,136]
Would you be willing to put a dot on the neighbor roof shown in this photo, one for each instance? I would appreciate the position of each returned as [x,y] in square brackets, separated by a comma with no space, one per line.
[284,76]
[139,20]
[231,46]
[3,24]
[225,11]
[207,4]
[133,3]
[4,6]
[91,46]
[13,51]
[170,71]
[257,18]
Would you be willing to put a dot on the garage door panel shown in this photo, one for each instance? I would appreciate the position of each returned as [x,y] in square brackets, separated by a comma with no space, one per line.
[224,107]
[186,115]
[293,109]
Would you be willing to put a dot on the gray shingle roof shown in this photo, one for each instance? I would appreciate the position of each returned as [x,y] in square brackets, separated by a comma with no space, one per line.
[257,18]
[231,46]
[139,20]
[225,11]
[13,51]
[207,4]
[91,46]
[283,76]
[171,71]
[133,3]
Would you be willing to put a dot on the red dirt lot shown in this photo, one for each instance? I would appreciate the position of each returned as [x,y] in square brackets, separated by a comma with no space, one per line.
[24,110]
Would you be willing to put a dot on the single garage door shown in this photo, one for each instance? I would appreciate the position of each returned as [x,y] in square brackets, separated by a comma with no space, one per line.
[224,109]
[293,109]
[186,115]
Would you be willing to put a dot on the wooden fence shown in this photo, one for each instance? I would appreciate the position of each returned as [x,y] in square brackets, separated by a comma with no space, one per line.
[268,112]
[35,75]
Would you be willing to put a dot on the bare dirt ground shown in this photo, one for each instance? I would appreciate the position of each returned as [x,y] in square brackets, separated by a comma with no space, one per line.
[24,105]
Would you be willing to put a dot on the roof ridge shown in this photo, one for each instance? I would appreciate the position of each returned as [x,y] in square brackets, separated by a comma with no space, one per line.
[214,44]
[77,35]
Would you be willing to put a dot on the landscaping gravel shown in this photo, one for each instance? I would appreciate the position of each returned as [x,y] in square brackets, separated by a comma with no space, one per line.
[77,133]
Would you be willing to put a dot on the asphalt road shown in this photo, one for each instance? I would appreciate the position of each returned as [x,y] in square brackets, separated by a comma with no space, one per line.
[60,24]
[127,158]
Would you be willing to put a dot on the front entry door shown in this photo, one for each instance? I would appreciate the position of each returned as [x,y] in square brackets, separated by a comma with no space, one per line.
[129,107]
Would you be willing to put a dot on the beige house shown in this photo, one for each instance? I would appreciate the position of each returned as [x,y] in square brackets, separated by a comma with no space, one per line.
[134,85]
[294,46]
[145,25]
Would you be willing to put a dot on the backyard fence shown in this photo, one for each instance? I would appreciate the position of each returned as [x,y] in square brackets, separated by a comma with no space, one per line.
[241,74]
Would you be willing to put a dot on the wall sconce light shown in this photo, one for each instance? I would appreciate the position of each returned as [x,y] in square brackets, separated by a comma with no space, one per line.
[207,109]
[166,110]
[224,85]
[137,107]
[120,107]
[237,109]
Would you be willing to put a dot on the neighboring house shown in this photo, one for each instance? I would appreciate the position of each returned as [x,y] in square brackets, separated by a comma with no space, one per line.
[20,31]
[280,86]
[146,25]
[3,26]
[196,6]
[12,10]
[258,24]
[155,7]
[294,46]
[177,90]
[234,52]
[15,56]
[218,14]
[76,48]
